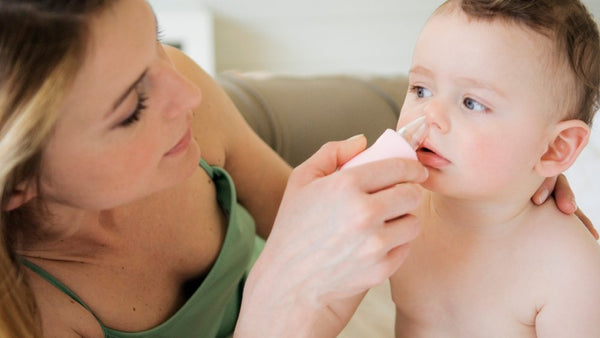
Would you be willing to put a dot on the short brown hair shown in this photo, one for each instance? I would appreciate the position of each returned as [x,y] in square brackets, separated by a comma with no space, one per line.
[569,24]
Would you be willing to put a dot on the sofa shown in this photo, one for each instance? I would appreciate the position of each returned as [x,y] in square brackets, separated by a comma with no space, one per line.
[296,115]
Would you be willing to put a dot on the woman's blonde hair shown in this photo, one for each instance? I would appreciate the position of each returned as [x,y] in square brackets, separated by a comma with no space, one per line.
[42,45]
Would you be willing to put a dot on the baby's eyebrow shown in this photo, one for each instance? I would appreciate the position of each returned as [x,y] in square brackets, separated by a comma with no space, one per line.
[478,83]
[421,70]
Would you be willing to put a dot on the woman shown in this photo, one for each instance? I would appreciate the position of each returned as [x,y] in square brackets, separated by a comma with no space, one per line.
[111,228]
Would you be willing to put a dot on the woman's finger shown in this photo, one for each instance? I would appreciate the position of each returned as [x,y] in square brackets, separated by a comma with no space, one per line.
[565,201]
[563,195]
[588,223]
[395,201]
[374,176]
[544,191]
[328,158]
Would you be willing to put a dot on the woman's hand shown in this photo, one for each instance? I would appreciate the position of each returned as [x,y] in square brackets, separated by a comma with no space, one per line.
[564,199]
[337,234]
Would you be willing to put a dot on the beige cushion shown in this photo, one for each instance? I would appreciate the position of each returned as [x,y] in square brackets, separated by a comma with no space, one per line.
[296,115]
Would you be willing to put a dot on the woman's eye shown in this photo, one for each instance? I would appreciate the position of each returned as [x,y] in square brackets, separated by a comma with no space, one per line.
[135,115]
[474,105]
[421,92]
[160,33]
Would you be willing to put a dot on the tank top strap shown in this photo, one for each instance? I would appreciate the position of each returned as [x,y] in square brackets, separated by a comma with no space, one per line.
[210,170]
[224,184]
[52,280]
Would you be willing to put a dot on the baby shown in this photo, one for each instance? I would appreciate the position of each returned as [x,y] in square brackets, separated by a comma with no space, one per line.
[509,89]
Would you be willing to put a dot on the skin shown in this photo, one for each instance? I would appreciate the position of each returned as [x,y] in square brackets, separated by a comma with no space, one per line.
[123,194]
[489,262]
[100,180]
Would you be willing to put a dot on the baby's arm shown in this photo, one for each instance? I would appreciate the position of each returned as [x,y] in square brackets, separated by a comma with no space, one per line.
[572,305]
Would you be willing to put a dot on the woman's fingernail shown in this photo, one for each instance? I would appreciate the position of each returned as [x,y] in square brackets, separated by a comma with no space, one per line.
[574,204]
[355,137]
[543,196]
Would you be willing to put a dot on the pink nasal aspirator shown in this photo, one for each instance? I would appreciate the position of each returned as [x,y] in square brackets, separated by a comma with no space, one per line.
[401,143]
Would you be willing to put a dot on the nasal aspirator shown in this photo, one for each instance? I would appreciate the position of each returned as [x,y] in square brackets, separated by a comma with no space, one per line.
[391,143]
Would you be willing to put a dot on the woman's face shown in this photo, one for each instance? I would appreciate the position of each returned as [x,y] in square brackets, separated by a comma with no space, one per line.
[124,131]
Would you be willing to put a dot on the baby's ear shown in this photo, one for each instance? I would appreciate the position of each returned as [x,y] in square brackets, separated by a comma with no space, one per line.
[569,139]
[22,194]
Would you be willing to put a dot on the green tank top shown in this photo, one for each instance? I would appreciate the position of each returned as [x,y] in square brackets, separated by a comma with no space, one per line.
[213,309]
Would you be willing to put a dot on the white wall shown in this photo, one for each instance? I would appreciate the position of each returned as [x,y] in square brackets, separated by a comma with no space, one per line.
[316,36]
[343,36]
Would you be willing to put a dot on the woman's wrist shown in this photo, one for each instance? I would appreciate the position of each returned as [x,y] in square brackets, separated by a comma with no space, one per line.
[271,308]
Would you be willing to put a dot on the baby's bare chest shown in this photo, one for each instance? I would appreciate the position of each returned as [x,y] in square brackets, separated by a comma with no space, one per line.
[462,293]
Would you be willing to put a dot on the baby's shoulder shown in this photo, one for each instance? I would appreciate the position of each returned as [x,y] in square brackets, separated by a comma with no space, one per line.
[548,225]
[557,241]
[563,263]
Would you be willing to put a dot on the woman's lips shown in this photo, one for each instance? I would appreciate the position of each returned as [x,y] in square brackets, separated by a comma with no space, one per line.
[182,145]
[430,158]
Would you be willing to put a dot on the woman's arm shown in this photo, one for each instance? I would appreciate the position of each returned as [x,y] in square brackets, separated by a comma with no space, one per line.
[336,234]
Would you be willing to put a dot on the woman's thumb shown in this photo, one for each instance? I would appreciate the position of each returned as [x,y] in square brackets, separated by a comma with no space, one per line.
[330,157]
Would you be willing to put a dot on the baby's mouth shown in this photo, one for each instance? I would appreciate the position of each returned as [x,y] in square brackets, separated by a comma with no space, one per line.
[430,157]
[424,148]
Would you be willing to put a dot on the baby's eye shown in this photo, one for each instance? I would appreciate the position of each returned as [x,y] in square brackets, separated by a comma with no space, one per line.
[474,105]
[421,91]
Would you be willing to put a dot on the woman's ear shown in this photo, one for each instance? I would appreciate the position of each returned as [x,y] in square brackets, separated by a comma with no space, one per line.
[22,194]
[569,139]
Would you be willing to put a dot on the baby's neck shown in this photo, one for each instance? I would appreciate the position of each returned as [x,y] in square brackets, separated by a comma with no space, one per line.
[480,218]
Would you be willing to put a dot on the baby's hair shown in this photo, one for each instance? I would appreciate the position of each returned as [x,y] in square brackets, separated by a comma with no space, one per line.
[569,24]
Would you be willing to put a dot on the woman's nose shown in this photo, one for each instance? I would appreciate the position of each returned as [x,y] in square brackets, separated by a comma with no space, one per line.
[437,116]
[181,94]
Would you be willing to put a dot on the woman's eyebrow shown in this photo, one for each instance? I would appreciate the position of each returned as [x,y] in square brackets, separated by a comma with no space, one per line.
[129,90]
[121,98]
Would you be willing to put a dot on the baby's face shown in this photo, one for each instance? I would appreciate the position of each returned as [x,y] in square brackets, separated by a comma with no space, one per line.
[489,91]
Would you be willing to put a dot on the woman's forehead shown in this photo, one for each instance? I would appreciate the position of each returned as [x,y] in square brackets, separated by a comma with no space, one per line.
[121,44]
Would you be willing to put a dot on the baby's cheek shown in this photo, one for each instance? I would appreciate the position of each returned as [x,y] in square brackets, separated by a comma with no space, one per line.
[498,160]
[404,120]
[488,158]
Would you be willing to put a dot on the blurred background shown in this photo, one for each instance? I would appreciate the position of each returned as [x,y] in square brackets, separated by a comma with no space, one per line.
[317,37]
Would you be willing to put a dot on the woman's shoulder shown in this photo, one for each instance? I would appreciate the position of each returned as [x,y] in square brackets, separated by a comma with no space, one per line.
[209,126]
[60,315]
[226,140]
